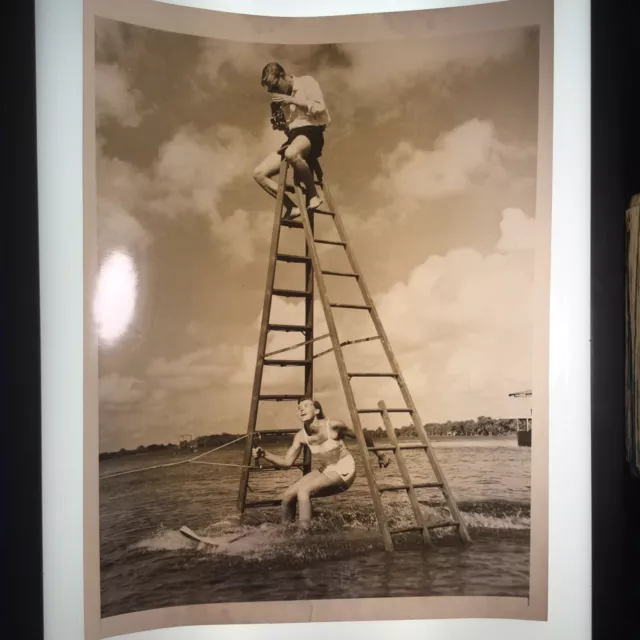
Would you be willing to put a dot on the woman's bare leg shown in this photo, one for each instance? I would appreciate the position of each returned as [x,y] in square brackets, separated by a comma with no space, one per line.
[290,501]
[315,484]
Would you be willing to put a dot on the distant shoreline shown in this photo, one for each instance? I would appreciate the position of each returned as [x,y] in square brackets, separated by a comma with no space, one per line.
[207,442]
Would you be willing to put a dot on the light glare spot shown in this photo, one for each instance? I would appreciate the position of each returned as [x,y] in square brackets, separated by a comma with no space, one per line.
[115,297]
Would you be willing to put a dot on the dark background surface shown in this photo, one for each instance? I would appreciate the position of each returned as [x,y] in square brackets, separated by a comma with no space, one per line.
[20,470]
[615,178]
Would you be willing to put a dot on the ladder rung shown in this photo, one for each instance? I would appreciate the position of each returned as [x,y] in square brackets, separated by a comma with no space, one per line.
[289,327]
[416,485]
[387,410]
[290,293]
[280,397]
[294,224]
[263,503]
[344,274]
[346,343]
[286,363]
[339,305]
[290,257]
[373,375]
[270,468]
[323,212]
[390,447]
[405,530]
[442,525]
[335,242]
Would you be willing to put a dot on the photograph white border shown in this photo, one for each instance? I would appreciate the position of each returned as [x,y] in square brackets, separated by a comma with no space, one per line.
[61,220]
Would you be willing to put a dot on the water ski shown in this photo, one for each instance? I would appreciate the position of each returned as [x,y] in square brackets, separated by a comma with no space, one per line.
[188,533]
[185,531]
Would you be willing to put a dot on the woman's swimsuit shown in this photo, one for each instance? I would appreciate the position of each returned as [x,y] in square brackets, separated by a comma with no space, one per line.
[329,455]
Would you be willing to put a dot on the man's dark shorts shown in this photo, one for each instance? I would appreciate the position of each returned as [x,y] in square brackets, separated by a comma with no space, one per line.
[315,134]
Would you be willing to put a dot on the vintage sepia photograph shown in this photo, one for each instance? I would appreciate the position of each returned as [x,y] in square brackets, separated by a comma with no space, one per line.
[315,310]
[632,426]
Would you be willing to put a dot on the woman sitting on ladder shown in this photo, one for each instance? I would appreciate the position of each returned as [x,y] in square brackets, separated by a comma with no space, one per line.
[334,467]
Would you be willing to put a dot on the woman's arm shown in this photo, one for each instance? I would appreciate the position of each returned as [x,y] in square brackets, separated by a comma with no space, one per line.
[347,432]
[280,461]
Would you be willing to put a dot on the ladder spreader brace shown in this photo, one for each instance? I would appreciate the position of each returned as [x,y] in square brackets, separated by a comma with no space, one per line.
[313,270]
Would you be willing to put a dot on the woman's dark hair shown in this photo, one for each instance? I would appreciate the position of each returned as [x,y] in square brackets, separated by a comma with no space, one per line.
[316,404]
[271,73]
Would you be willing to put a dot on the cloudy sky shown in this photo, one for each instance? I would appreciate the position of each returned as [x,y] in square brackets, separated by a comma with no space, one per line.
[431,157]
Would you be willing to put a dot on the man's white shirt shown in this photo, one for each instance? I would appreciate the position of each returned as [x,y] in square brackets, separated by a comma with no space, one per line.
[306,88]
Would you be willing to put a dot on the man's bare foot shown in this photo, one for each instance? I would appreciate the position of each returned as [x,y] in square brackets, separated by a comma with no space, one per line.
[291,214]
[315,203]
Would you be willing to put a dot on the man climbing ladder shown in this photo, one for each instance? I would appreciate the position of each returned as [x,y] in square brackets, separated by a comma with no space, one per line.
[298,109]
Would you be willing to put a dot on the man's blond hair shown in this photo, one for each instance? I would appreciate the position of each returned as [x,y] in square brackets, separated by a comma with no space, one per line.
[271,73]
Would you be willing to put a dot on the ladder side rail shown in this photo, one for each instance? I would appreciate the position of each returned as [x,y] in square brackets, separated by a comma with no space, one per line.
[422,434]
[308,334]
[262,343]
[384,340]
[355,418]
[404,472]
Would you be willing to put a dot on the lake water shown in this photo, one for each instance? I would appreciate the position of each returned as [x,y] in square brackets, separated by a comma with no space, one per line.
[147,564]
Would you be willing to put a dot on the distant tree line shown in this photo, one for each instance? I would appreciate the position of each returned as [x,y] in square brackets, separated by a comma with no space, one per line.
[483,426]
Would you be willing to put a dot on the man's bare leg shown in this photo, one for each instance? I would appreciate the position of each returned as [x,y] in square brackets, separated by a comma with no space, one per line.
[296,155]
[263,175]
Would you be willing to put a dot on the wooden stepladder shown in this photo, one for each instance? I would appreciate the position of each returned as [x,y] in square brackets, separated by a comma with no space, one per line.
[314,271]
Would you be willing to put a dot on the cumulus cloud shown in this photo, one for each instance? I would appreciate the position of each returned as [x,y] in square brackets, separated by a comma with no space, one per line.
[157,398]
[241,233]
[197,331]
[217,56]
[517,231]
[461,291]
[196,370]
[188,178]
[465,160]
[374,80]
[110,36]
[118,228]
[120,181]
[119,391]
[194,166]
[191,169]
[374,68]
[367,72]
[121,192]
[462,323]
[115,98]
[466,156]
[191,172]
